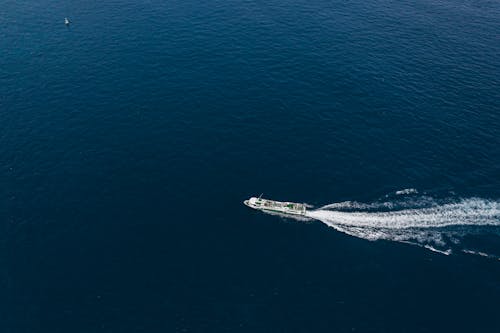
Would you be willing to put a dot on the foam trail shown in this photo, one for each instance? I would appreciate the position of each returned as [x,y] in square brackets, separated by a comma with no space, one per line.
[406,191]
[430,224]
[479,253]
[467,212]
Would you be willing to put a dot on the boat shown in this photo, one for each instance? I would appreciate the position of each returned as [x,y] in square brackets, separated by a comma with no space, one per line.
[291,208]
[66,21]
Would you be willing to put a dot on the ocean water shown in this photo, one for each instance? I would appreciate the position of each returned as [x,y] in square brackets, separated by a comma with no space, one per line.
[129,140]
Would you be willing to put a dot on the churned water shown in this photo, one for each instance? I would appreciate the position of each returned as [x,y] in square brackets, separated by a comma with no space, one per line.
[130,138]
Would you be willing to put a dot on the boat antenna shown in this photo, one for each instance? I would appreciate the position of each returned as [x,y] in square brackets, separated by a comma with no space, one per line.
[260,196]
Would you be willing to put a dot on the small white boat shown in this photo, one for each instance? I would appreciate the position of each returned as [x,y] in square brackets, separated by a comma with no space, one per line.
[66,21]
[292,208]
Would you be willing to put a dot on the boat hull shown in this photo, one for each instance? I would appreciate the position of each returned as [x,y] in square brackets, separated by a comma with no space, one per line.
[290,208]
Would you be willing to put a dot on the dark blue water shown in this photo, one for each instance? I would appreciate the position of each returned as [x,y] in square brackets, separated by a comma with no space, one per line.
[129,140]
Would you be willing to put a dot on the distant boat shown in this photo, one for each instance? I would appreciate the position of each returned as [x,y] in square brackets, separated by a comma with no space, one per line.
[66,21]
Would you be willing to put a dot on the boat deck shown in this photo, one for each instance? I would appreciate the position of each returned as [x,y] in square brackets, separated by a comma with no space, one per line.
[277,206]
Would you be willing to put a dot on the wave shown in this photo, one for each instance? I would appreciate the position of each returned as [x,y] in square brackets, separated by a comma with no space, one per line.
[407,191]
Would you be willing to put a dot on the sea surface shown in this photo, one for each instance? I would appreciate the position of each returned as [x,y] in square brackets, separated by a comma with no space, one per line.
[130,138]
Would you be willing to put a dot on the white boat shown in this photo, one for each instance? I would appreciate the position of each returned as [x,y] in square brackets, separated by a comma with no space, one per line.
[292,208]
[66,21]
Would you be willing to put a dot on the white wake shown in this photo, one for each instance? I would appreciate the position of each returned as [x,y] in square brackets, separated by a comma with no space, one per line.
[437,226]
